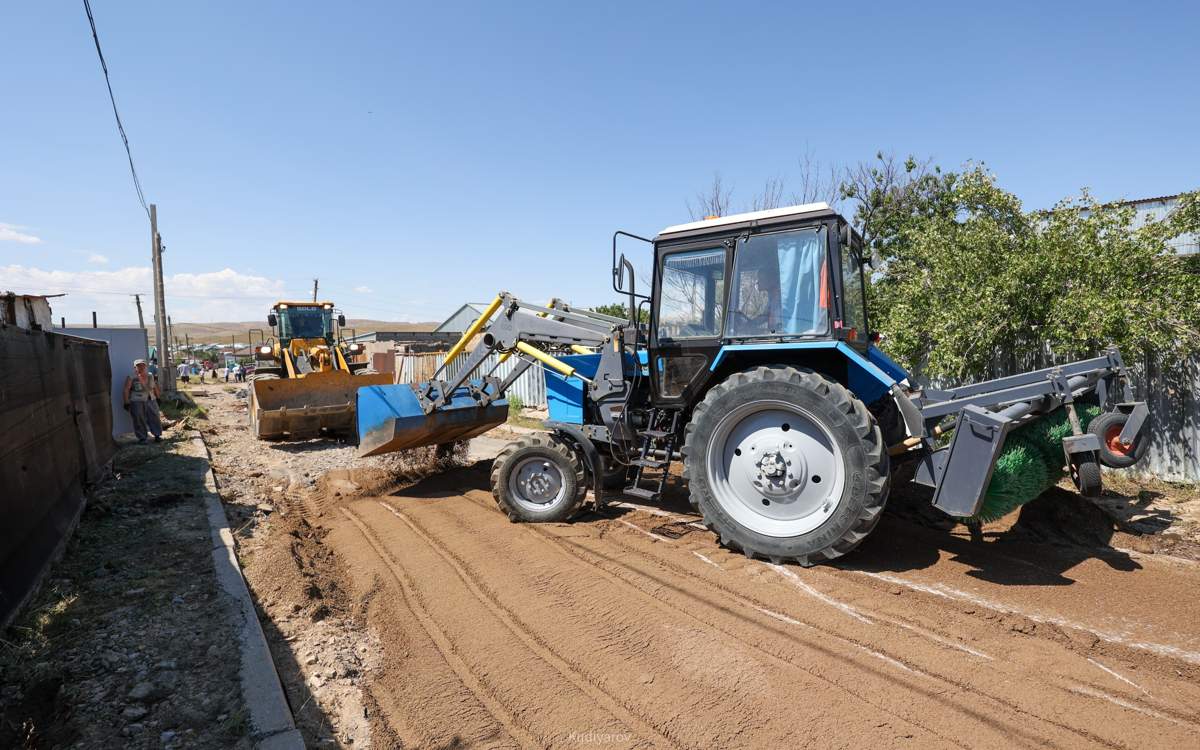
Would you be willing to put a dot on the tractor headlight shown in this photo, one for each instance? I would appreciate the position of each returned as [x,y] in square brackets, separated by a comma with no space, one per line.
[264,350]
[355,347]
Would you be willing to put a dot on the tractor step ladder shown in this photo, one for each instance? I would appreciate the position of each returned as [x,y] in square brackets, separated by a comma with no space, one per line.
[653,441]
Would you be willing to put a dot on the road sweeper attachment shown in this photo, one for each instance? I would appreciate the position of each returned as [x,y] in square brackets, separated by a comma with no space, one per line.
[757,372]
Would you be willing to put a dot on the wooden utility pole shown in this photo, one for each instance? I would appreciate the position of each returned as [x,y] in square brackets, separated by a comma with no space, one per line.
[137,300]
[161,335]
[315,281]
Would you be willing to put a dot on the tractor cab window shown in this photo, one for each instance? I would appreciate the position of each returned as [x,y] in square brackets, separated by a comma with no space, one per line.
[780,285]
[693,285]
[305,323]
[854,305]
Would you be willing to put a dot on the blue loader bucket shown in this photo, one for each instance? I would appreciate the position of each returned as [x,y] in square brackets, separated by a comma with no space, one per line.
[390,419]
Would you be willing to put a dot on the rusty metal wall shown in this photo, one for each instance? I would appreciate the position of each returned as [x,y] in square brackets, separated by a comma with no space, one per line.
[56,419]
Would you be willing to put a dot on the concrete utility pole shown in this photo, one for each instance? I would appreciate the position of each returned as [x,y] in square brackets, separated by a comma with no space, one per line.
[315,281]
[161,336]
[137,300]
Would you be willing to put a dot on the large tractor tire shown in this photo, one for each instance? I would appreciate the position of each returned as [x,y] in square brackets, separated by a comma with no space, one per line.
[786,464]
[538,479]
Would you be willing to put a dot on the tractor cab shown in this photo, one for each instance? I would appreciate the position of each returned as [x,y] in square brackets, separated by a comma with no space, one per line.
[751,282]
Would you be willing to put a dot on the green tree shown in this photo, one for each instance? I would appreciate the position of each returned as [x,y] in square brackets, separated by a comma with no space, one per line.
[620,310]
[969,285]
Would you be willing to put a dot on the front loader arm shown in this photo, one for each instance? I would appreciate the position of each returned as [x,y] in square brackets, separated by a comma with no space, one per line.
[515,328]
[460,401]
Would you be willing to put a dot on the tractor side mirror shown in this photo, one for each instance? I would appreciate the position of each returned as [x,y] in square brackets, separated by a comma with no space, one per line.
[342,321]
[623,264]
[272,320]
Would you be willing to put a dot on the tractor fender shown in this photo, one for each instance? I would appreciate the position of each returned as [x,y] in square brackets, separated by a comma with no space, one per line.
[870,377]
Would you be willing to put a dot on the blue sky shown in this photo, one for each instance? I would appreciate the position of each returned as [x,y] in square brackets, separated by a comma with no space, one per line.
[430,154]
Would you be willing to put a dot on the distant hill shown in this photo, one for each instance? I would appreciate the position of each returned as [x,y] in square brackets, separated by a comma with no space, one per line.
[210,333]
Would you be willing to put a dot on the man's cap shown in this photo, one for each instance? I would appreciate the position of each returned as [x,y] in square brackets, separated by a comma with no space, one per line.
[137,362]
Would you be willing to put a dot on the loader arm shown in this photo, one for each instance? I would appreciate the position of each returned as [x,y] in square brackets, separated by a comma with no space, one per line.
[515,328]
[460,401]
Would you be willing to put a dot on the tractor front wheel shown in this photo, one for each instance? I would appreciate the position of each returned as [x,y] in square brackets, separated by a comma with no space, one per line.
[786,464]
[538,478]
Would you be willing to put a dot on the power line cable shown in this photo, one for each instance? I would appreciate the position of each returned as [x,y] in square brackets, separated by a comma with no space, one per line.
[137,184]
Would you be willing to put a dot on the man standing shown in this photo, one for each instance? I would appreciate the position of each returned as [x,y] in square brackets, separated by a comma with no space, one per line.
[141,401]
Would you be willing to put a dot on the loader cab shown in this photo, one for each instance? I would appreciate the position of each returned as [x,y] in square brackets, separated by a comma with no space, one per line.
[751,283]
[312,321]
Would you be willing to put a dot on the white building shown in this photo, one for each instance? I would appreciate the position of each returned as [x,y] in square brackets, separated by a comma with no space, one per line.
[1156,209]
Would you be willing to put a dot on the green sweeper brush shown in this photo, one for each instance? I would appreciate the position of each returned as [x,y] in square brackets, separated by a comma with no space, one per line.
[1031,463]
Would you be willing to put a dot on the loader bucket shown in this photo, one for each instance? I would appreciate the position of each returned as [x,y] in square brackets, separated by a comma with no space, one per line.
[299,408]
[391,419]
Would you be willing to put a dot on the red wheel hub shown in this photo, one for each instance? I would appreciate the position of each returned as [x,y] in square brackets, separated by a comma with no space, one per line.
[1112,438]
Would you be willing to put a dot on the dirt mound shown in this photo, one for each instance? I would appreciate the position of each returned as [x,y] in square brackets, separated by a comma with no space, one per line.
[1059,516]
[337,486]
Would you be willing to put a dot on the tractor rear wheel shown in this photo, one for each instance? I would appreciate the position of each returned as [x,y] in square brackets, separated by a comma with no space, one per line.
[786,464]
[538,479]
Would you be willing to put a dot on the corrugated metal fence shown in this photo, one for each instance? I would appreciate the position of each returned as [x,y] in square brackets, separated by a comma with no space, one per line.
[1171,396]
[530,387]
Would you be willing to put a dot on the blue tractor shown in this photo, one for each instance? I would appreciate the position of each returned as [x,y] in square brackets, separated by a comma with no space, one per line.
[757,371]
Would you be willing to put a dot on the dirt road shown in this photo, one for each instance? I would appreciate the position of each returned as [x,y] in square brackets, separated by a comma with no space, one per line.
[636,629]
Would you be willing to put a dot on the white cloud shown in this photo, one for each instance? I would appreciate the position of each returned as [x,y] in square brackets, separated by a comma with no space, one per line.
[97,259]
[216,296]
[12,233]
[363,289]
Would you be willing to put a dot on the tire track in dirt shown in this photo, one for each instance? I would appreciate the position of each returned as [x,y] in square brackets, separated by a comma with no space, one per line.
[903,664]
[745,604]
[601,588]
[1172,714]
[505,716]
[1081,725]
[584,682]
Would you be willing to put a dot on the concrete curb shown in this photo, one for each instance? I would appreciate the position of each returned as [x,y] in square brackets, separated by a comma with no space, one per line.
[271,724]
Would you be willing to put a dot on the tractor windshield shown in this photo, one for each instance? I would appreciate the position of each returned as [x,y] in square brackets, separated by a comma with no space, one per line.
[305,323]
[780,285]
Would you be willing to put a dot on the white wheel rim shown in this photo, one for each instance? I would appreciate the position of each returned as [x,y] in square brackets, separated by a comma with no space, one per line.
[775,469]
[536,484]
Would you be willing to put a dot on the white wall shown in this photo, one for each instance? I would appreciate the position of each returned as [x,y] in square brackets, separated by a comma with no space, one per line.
[124,346]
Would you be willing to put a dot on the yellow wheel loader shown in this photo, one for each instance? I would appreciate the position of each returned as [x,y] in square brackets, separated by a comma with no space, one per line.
[304,381]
